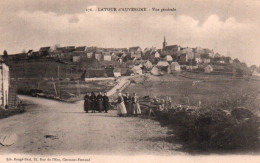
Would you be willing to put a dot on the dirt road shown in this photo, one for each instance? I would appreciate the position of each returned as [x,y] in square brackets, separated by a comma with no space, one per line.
[51,127]
[122,82]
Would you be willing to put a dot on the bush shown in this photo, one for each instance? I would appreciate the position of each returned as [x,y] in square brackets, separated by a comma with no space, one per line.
[213,128]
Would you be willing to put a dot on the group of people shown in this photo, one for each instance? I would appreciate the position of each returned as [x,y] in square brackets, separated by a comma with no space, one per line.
[127,105]
[96,103]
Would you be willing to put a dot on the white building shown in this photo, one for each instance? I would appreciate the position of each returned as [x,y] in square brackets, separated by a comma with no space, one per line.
[148,65]
[117,72]
[4,84]
[98,56]
[175,67]
[89,55]
[155,71]
[107,57]
[157,55]
[168,58]
[76,58]
[137,70]
[208,69]
[162,64]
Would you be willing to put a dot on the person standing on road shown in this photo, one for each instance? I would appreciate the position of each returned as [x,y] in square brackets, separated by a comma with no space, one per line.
[100,102]
[121,110]
[105,102]
[128,104]
[93,102]
[136,106]
[87,102]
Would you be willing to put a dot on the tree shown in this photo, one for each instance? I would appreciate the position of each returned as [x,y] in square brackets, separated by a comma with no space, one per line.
[253,67]
[146,84]
[243,64]
[258,69]
[5,54]
[236,60]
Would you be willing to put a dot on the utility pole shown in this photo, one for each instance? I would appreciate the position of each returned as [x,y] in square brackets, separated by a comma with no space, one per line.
[58,71]
[78,88]
[54,87]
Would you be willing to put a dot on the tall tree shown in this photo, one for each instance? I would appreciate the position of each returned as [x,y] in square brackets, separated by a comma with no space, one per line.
[258,69]
[5,54]
[253,67]
[236,60]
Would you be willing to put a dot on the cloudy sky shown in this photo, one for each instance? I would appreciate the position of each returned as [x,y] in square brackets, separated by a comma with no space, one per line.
[230,27]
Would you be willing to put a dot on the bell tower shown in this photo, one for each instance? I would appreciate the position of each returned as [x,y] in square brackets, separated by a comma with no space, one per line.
[164,43]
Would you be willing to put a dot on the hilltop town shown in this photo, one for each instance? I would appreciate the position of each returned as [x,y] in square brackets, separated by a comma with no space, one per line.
[110,62]
[191,88]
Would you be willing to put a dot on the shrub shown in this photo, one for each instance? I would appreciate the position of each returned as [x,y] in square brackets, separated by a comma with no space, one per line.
[214,128]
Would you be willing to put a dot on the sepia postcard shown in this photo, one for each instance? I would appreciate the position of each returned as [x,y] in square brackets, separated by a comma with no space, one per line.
[129,81]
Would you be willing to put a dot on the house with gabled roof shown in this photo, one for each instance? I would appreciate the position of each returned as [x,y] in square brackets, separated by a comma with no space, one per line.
[157,55]
[228,60]
[217,55]
[81,49]
[219,60]
[214,68]
[44,51]
[68,49]
[183,58]
[175,67]
[205,58]
[162,64]
[137,70]
[117,72]
[208,69]
[122,50]
[168,58]
[155,71]
[171,50]
[197,58]
[135,49]
[136,52]
[107,56]
[191,65]
[91,49]
[148,65]
[209,51]
[30,52]
[98,56]
[89,54]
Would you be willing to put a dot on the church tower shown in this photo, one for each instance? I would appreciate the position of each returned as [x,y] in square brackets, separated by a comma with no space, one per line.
[164,43]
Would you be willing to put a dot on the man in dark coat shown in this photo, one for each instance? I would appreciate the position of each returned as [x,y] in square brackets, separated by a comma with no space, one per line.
[128,104]
[87,103]
[100,102]
[93,102]
[105,102]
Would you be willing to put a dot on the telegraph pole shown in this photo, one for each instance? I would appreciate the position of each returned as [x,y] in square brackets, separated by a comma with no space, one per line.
[58,71]
[78,88]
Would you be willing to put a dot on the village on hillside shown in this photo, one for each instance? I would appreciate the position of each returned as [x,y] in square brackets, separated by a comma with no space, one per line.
[160,80]
[135,60]
[212,99]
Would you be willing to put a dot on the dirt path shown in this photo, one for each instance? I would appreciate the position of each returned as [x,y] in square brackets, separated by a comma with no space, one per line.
[51,127]
[122,83]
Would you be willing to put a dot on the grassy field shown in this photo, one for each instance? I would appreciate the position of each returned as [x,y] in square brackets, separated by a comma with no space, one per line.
[65,89]
[217,91]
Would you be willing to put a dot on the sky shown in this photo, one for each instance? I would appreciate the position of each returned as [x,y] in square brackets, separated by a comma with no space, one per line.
[230,27]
